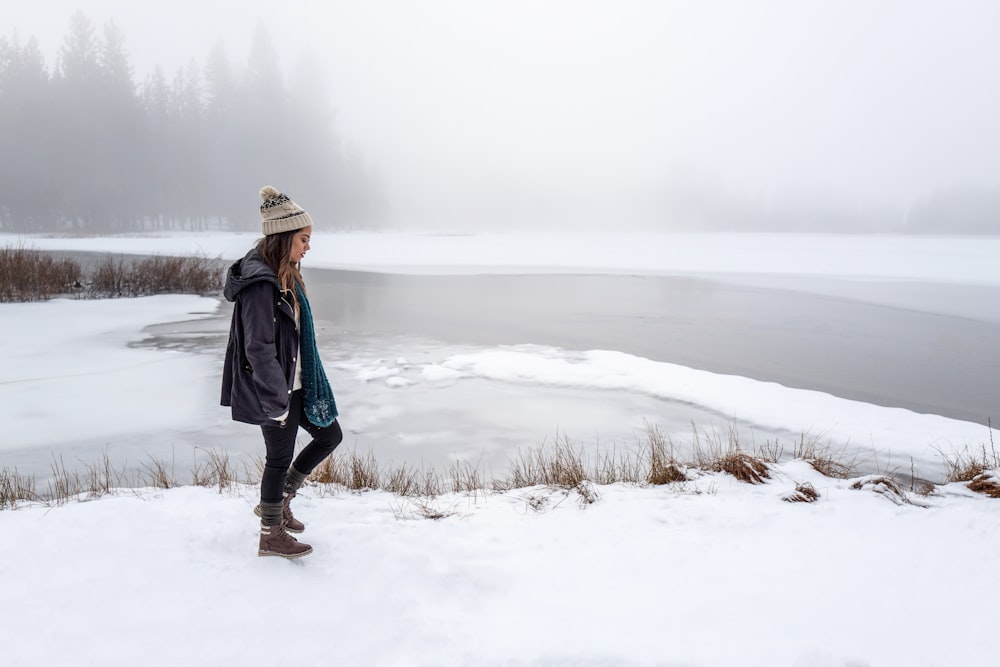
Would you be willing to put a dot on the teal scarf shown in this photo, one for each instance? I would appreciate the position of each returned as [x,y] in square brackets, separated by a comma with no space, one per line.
[320,406]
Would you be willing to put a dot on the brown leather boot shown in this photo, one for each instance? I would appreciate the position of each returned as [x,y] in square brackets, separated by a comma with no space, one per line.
[275,541]
[292,525]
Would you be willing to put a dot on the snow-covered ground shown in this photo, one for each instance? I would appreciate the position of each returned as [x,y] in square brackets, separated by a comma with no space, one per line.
[716,573]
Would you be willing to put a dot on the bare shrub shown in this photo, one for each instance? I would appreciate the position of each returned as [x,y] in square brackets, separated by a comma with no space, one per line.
[29,275]
[770,452]
[803,493]
[111,277]
[15,488]
[118,277]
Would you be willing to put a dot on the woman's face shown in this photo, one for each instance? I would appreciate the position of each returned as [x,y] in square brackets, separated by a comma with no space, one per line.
[300,244]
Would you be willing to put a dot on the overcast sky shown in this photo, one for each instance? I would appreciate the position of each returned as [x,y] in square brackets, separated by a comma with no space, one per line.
[885,99]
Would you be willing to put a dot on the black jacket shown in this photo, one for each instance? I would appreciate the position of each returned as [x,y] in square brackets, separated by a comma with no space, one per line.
[259,369]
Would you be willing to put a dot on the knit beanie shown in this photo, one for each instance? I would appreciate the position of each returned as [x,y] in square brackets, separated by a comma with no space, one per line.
[279,213]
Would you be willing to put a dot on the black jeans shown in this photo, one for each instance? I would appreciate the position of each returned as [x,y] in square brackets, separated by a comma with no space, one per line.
[280,443]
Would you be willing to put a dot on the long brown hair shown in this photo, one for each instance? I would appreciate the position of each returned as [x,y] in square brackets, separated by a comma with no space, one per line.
[276,250]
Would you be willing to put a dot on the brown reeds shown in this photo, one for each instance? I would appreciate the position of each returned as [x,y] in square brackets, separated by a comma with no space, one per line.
[29,275]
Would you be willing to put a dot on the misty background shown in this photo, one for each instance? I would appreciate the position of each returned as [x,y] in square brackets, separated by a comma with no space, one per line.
[674,116]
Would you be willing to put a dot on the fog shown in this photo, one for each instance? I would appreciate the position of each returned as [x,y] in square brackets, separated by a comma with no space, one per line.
[778,115]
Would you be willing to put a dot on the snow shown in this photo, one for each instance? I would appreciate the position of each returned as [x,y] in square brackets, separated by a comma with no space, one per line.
[718,573]
[709,572]
[73,374]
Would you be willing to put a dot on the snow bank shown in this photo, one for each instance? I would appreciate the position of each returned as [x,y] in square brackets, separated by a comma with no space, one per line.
[893,436]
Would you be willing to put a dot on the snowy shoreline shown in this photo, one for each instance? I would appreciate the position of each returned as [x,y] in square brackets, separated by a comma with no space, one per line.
[942,259]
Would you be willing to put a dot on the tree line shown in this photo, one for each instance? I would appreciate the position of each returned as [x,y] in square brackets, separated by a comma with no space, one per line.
[86,148]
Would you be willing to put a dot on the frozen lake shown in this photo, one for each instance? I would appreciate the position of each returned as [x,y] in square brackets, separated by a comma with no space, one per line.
[925,347]
[378,330]
[429,369]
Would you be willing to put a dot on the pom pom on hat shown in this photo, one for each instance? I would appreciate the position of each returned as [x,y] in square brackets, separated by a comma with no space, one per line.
[269,192]
[279,213]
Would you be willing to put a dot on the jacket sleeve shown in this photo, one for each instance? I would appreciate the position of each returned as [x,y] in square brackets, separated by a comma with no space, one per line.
[269,382]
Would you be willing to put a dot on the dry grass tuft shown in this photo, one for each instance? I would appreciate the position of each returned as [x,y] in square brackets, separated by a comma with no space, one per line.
[803,493]
[884,485]
[217,471]
[156,473]
[363,473]
[966,465]
[986,483]
[824,460]
[421,508]
[15,488]
[102,477]
[465,478]
[561,465]
[743,466]
[663,465]
[410,482]
[328,472]
[64,484]
[712,454]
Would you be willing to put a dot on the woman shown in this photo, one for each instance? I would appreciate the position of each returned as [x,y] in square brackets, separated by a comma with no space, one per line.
[273,375]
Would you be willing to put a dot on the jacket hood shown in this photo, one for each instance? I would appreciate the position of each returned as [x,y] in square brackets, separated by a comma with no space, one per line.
[246,271]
